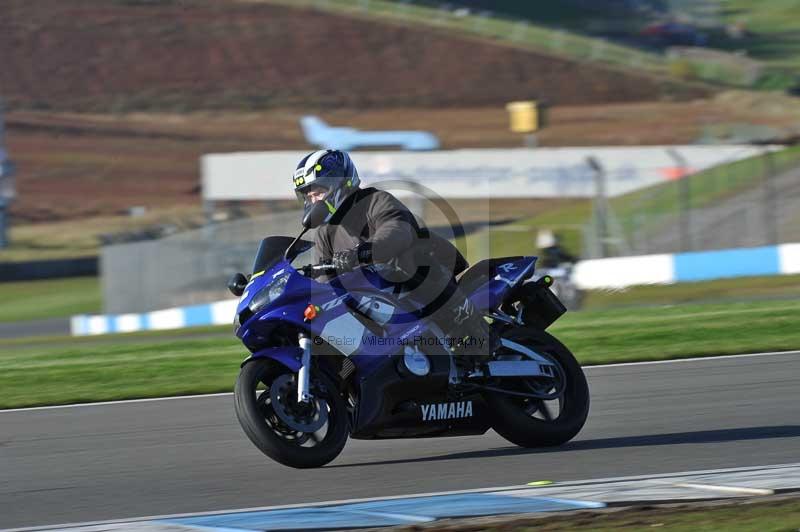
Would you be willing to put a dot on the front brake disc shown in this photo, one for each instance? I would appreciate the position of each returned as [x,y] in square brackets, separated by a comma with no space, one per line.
[302,417]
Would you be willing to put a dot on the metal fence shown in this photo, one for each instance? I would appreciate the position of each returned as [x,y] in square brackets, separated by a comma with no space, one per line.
[748,203]
[186,268]
[752,202]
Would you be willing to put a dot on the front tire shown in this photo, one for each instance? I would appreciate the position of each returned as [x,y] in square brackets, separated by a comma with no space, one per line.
[531,422]
[300,436]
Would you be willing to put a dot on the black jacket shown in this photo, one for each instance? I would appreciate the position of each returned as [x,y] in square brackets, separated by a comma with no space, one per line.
[372,215]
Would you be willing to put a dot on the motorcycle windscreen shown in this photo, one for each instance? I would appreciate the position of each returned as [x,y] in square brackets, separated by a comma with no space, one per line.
[272,248]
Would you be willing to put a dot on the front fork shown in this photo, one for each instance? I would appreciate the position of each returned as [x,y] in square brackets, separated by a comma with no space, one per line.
[304,375]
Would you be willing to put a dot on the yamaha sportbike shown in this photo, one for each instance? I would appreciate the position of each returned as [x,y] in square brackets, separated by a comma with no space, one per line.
[328,363]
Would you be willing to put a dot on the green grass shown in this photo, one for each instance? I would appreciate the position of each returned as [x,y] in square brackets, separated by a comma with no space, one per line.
[70,370]
[721,290]
[82,372]
[774,38]
[55,298]
[754,515]
[658,333]
[774,27]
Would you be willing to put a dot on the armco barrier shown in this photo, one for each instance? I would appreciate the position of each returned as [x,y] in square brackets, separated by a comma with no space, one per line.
[617,272]
[218,313]
[35,270]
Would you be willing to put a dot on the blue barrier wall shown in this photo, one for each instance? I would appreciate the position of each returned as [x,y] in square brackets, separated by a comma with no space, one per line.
[705,265]
[617,272]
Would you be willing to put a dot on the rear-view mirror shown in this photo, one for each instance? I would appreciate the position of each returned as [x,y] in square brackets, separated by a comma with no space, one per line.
[237,283]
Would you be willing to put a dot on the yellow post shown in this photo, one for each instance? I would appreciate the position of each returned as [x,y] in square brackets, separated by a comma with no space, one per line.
[524,116]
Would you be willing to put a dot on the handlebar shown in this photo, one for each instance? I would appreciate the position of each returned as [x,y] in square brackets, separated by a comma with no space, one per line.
[316,270]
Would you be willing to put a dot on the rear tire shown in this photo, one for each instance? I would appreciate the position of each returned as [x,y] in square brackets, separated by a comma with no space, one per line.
[265,428]
[514,419]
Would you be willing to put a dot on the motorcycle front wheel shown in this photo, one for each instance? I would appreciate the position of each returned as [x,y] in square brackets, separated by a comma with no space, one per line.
[300,435]
[559,415]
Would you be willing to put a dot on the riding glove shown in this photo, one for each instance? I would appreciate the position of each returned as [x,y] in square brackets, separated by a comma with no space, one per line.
[349,259]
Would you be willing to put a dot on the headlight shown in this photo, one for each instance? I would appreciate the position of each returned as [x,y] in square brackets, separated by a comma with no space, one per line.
[268,294]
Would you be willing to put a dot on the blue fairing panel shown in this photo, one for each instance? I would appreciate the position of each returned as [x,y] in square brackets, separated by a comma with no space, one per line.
[288,356]
[502,275]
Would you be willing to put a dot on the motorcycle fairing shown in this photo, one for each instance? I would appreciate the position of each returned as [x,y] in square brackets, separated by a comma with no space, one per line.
[391,403]
[287,355]
[492,279]
[340,321]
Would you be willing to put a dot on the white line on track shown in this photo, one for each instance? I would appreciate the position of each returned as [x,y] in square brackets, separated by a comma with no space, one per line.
[725,489]
[692,359]
[596,367]
[121,402]
[408,496]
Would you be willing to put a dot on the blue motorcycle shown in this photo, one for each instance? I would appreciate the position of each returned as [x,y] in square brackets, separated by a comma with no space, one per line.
[342,358]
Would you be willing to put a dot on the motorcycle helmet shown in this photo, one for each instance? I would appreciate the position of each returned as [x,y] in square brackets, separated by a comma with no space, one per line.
[332,170]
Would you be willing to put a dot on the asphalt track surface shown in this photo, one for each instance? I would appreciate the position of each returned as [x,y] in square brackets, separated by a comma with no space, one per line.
[22,329]
[86,463]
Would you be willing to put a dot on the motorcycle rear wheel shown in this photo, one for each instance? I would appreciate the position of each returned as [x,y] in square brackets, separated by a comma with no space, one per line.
[264,420]
[531,422]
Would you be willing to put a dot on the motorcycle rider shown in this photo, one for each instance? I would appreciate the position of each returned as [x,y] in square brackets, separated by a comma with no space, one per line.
[551,250]
[370,226]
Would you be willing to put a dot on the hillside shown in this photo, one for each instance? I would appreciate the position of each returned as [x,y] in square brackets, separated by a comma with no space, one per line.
[123,55]
[743,43]
[83,165]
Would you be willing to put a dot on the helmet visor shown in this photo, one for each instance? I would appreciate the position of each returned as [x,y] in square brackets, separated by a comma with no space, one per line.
[310,193]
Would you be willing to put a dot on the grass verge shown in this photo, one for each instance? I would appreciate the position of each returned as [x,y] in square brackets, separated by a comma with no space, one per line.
[772,28]
[680,331]
[757,515]
[71,370]
[32,300]
[717,291]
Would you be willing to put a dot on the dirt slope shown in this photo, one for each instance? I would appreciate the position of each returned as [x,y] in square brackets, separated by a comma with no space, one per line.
[81,165]
[121,55]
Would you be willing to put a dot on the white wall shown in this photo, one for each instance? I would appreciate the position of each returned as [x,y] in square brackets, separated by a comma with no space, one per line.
[522,172]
